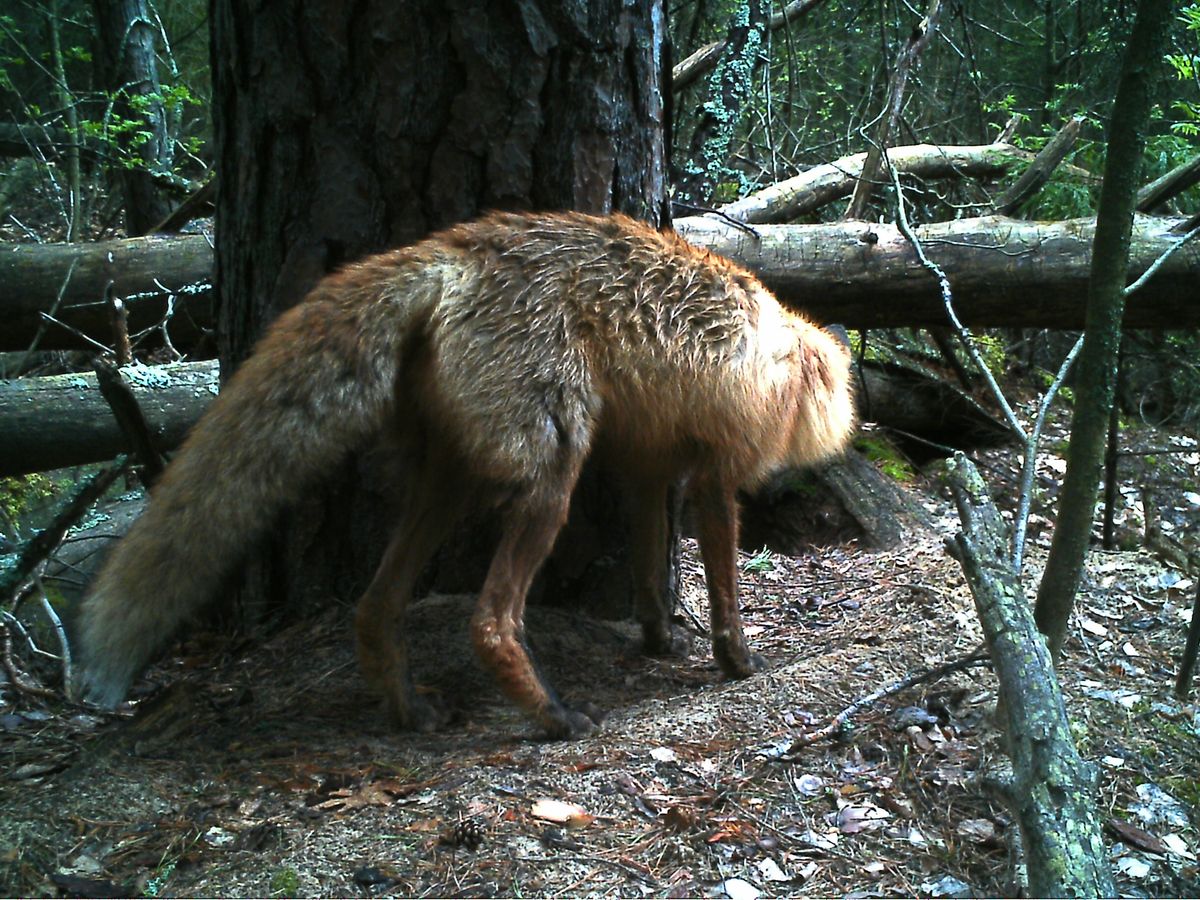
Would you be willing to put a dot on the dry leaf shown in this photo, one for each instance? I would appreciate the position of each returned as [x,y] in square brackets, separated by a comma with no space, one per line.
[1177,845]
[769,870]
[681,818]
[856,819]
[347,799]
[1092,627]
[737,889]
[981,831]
[1138,837]
[425,825]
[1133,867]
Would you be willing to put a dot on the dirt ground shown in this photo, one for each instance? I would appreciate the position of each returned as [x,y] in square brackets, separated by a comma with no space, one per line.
[267,771]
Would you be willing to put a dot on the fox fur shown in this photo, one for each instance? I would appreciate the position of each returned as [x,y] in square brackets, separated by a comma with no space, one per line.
[497,355]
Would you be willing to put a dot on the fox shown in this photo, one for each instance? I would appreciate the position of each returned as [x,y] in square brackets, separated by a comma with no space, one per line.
[494,358]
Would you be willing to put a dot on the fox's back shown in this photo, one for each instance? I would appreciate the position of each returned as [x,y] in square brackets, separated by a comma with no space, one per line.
[563,322]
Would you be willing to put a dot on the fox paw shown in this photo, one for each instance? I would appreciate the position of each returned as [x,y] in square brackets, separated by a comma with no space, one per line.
[672,642]
[418,713]
[566,724]
[739,665]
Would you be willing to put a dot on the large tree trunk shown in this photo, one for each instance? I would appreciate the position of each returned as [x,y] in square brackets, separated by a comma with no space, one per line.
[346,128]
[721,108]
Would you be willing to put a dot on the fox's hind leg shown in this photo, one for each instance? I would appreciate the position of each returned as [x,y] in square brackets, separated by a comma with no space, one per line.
[530,523]
[434,503]
[649,533]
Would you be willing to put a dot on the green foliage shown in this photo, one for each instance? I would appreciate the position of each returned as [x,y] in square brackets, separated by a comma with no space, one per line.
[762,561]
[1065,394]
[158,881]
[993,351]
[119,137]
[18,494]
[1187,69]
[285,882]
[49,79]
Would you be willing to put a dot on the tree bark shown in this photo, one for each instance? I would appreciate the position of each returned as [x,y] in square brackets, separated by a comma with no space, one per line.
[63,420]
[342,129]
[127,45]
[1096,367]
[1051,789]
[705,59]
[721,110]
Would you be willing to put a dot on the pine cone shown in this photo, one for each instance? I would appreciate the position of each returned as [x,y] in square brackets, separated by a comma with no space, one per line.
[465,833]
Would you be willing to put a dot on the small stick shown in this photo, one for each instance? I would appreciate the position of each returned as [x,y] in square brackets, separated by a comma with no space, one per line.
[15,677]
[1183,685]
[119,320]
[977,658]
[130,419]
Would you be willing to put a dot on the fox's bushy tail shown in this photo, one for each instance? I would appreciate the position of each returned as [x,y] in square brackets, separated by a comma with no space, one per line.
[319,385]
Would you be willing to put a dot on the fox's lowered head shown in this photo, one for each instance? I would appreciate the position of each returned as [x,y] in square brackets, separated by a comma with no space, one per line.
[825,418]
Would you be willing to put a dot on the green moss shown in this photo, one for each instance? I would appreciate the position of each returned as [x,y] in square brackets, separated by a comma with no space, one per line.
[1185,788]
[886,458]
[993,351]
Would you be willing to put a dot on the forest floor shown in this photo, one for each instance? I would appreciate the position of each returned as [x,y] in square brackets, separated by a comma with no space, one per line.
[266,770]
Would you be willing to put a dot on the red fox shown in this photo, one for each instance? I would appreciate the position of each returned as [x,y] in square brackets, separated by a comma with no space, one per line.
[498,355]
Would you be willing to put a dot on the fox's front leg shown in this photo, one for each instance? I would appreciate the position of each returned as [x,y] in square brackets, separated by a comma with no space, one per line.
[497,628]
[715,505]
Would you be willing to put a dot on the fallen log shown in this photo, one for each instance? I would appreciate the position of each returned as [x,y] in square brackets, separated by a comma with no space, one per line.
[1003,272]
[1173,183]
[1042,167]
[63,420]
[153,275]
[823,184]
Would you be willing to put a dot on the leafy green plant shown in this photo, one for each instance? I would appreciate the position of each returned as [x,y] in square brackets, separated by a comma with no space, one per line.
[285,882]
[158,881]
[17,495]
[762,561]
[1187,68]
